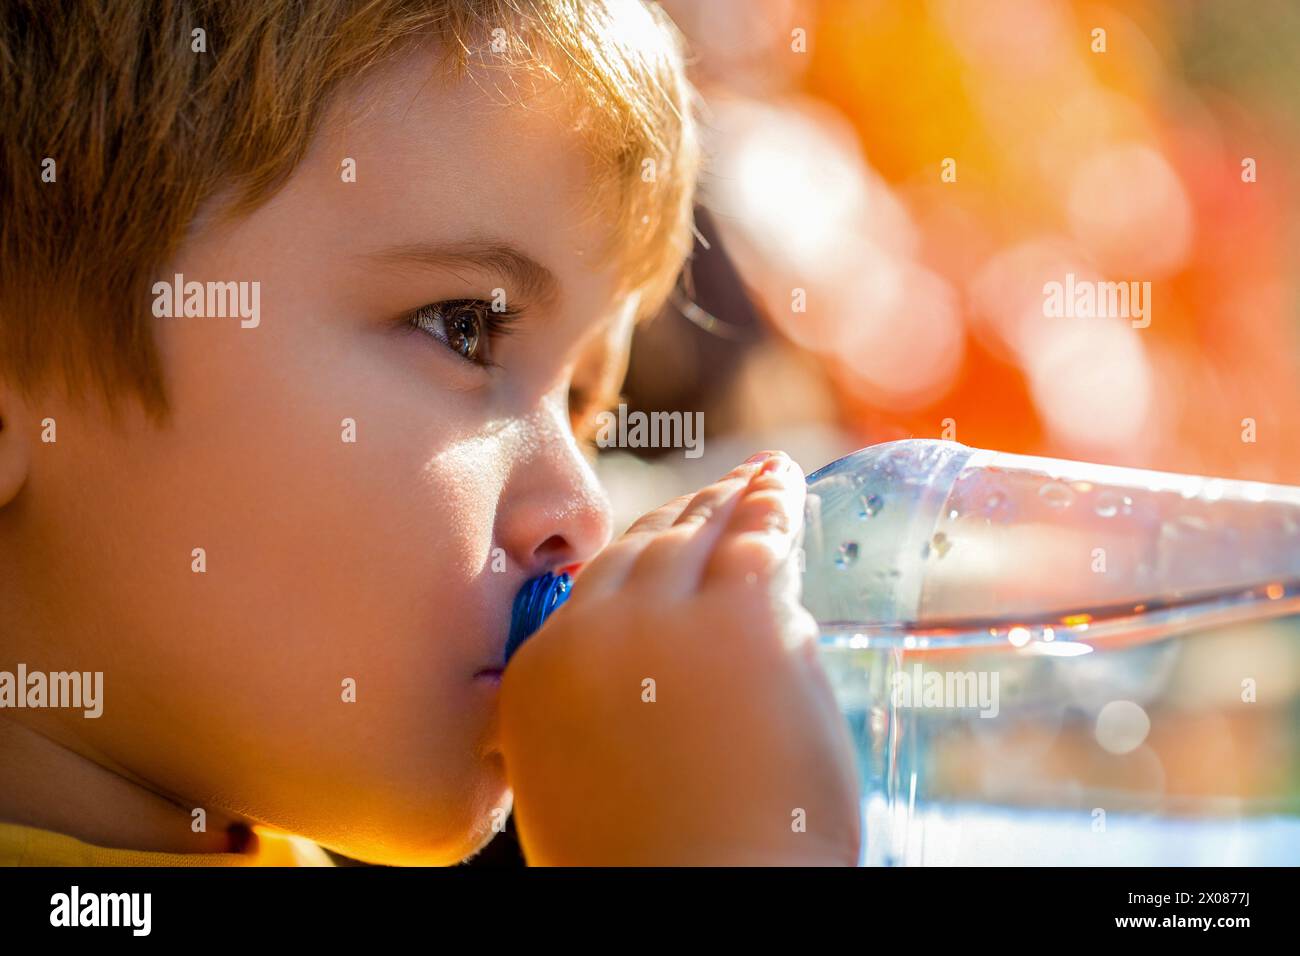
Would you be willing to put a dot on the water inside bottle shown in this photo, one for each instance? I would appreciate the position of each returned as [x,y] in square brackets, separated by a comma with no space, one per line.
[1046,661]
[1149,736]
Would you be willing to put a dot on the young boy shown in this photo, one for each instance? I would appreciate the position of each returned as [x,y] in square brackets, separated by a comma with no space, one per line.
[304,310]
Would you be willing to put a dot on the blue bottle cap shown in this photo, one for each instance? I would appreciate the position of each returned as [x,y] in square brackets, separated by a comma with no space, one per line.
[533,605]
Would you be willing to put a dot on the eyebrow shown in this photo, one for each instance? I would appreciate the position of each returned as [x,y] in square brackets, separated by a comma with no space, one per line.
[524,275]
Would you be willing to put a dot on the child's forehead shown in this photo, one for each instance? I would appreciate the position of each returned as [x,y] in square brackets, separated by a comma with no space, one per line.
[497,147]
[486,151]
[485,88]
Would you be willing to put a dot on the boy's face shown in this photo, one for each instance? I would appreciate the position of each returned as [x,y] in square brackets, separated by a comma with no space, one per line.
[328,561]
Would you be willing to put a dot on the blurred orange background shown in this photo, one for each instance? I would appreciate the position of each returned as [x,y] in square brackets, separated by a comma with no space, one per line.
[1113,142]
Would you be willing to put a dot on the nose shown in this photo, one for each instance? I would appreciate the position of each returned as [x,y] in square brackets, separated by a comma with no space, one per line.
[554,512]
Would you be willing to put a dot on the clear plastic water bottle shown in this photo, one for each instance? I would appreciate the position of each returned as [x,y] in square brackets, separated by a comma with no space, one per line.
[1061,587]
[922,535]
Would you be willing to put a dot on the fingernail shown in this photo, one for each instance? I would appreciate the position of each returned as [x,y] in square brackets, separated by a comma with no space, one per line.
[775,464]
[755,459]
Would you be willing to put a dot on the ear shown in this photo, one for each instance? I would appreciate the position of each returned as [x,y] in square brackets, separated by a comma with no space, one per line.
[16,441]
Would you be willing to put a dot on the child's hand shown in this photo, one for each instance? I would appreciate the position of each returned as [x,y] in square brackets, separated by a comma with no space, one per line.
[673,711]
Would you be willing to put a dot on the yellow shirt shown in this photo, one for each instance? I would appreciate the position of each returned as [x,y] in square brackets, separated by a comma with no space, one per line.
[29,846]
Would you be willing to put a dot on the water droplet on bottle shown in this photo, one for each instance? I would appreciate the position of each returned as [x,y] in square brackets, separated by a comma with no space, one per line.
[1056,494]
[993,502]
[939,545]
[871,505]
[848,554]
[1107,505]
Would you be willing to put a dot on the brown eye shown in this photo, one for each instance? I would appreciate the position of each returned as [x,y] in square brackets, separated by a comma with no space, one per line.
[459,324]
[463,330]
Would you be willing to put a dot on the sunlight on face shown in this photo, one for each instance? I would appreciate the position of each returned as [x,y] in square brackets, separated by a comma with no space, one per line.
[442,304]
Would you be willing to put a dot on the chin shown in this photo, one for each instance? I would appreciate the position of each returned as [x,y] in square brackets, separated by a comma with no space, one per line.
[432,835]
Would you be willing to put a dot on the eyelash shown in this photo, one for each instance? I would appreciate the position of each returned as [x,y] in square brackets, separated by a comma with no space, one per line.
[584,404]
[492,325]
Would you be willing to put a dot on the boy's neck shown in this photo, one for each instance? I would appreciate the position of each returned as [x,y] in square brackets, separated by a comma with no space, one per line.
[53,787]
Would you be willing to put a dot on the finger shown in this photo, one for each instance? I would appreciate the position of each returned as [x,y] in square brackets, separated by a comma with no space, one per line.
[672,562]
[705,502]
[612,566]
[758,540]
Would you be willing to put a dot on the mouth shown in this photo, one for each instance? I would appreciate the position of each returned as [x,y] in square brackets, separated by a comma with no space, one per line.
[534,600]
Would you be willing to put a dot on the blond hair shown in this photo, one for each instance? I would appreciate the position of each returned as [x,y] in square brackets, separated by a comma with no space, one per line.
[144,132]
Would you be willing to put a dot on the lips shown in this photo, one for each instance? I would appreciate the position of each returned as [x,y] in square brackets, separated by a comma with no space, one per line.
[493,626]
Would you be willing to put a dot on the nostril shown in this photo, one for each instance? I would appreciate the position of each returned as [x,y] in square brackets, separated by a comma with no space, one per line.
[554,549]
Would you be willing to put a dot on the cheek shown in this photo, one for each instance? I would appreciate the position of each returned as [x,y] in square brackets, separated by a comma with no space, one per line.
[355,558]
[328,565]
